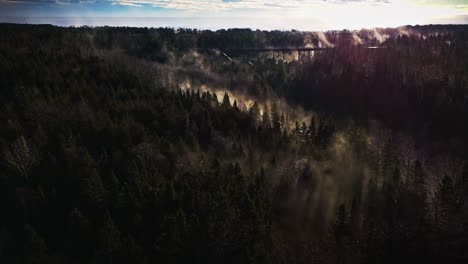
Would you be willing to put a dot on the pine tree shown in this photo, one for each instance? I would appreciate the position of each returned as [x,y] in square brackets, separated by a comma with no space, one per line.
[226,104]
[234,105]
[93,190]
[284,124]
[311,130]
[254,113]
[214,100]
[35,248]
[303,131]
[110,238]
[297,131]
[275,119]
[76,239]
[266,120]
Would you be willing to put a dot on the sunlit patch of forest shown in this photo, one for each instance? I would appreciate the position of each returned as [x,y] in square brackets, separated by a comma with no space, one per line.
[137,145]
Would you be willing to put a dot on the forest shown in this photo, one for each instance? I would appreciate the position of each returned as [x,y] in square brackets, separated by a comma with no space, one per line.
[161,145]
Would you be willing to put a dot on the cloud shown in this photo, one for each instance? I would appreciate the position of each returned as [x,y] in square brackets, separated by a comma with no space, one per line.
[38,2]
[264,14]
[237,4]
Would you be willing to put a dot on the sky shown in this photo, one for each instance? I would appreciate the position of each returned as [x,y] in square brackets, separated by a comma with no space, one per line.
[256,14]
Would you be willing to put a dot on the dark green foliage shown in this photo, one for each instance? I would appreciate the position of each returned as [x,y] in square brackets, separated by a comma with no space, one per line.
[104,163]
[119,171]
[35,248]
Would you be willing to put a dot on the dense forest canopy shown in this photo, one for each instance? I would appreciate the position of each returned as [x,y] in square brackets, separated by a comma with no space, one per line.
[148,145]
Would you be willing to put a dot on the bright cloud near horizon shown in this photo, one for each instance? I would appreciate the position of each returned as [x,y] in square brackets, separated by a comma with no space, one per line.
[214,14]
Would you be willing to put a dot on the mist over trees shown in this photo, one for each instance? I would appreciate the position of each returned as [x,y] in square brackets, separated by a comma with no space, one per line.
[144,145]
